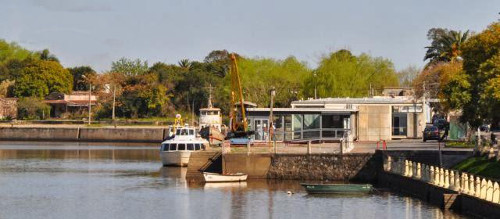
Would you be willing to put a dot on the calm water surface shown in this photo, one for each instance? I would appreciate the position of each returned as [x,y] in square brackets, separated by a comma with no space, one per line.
[82,180]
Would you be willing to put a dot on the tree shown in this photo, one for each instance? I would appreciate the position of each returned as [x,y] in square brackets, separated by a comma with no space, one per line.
[32,108]
[407,75]
[79,82]
[47,56]
[481,55]
[38,78]
[341,74]
[11,57]
[143,96]
[446,45]
[184,63]
[130,67]
[446,81]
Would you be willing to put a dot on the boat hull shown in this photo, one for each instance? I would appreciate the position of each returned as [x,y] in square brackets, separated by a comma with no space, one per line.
[175,158]
[216,177]
[337,188]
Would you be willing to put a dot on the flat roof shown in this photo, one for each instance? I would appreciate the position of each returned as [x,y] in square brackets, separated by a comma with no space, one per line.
[347,100]
[300,110]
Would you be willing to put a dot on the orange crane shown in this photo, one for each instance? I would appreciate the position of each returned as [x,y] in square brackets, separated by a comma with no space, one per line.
[237,114]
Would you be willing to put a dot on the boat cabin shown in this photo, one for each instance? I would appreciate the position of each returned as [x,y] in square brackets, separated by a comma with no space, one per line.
[182,147]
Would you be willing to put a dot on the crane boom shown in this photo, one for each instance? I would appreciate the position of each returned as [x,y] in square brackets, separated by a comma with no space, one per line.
[237,97]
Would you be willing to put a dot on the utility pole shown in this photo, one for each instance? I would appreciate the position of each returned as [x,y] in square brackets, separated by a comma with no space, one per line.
[423,104]
[90,101]
[271,118]
[114,101]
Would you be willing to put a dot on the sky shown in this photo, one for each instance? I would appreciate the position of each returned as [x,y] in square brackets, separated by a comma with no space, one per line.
[97,32]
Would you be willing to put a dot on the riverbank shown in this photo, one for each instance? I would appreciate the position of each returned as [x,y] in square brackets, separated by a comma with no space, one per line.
[82,133]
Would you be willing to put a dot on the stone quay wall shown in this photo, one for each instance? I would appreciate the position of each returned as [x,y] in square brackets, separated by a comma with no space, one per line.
[86,134]
[322,167]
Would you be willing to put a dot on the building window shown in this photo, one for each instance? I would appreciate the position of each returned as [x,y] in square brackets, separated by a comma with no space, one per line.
[399,123]
[311,126]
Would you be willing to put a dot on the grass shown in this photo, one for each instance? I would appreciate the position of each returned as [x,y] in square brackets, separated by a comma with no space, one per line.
[460,144]
[480,166]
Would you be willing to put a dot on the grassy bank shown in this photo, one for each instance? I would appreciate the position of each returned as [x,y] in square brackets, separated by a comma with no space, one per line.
[481,166]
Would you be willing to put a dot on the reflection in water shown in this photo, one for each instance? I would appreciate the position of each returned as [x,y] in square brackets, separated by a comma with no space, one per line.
[128,183]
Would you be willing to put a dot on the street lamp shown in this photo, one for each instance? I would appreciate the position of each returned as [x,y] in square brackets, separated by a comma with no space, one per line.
[90,93]
[315,84]
[271,119]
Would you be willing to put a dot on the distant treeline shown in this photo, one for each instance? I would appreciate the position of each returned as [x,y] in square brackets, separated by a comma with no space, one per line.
[164,89]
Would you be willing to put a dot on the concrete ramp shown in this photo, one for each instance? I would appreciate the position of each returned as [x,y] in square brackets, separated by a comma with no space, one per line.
[203,161]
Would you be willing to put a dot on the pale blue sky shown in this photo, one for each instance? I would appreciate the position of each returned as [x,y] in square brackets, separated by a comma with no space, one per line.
[97,32]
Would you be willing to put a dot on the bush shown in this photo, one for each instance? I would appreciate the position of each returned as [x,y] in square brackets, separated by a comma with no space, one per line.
[32,108]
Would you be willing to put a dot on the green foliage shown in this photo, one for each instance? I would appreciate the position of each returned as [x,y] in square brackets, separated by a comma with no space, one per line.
[47,56]
[11,55]
[446,45]
[260,75]
[143,96]
[130,67]
[32,108]
[481,55]
[38,78]
[79,82]
[342,74]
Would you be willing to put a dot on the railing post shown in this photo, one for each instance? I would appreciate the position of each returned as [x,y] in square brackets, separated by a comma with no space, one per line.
[477,185]
[489,191]
[496,193]
[446,182]
[441,177]
[432,176]
[419,171]
[472,184]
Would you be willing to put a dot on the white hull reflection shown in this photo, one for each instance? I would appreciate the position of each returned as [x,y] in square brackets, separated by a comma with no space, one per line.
[175,158]
[226,185]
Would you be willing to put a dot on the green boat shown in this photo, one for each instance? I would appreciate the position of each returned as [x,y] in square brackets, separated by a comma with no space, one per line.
[336,188]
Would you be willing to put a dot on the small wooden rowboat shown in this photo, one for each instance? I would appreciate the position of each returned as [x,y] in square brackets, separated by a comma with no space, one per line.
[336,188]
[231,177]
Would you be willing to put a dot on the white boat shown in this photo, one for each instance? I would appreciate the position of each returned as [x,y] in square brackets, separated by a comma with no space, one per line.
[177,149]
[217,177]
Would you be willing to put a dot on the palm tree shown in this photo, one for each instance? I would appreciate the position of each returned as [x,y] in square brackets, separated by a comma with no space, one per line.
[184,63]
[446,46]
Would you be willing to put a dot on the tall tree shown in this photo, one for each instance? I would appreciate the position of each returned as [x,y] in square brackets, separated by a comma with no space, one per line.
[47,56]
[341,74]
[38,78]
[130,67]
[446,45]
[407,75]
[481,55]
[79,82]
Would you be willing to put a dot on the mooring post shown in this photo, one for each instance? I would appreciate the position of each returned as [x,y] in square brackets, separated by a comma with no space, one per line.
[309,147]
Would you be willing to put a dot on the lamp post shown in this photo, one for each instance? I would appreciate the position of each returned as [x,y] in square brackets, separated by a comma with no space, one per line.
[271,118]
[315,84]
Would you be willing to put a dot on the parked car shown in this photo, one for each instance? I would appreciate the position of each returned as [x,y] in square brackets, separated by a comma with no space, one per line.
[431,133]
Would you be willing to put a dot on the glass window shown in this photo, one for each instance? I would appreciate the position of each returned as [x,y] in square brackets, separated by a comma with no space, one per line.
[190,147]
[191,132]
[311,121]
[181,147]
[197,146]
[165,147]
[184,131]
[173,147]
[178,132]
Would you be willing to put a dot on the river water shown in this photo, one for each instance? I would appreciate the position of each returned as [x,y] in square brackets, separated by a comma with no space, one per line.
[101,180]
